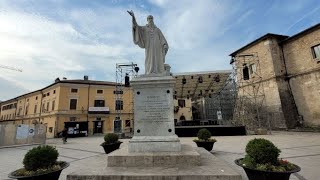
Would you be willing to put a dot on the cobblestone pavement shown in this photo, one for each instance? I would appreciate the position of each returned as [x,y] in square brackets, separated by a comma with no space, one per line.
[301,148]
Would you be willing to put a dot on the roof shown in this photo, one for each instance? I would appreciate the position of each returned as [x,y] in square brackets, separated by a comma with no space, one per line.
[73,81]
[268,35]
[310,29]
[194,89]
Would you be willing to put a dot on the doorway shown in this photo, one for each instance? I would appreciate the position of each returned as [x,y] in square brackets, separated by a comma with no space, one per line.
[117,125]
[98,127]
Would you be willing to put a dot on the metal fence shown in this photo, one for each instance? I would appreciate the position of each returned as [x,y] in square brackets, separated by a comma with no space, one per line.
[22,134]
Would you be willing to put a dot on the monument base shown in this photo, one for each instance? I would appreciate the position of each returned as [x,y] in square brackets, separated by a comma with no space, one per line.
[154,144]
[188,156]
[154,129]
[210,167]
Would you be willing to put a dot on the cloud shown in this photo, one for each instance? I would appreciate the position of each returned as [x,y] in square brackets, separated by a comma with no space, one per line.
[46,49]
[50,39]
[10,90]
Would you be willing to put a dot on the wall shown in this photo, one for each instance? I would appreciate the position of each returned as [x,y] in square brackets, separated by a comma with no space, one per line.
[186,111]
[262,88]
[304,73]
[12,135]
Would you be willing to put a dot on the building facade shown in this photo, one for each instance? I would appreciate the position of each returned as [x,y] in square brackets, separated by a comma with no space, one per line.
[277,80]
[85,107]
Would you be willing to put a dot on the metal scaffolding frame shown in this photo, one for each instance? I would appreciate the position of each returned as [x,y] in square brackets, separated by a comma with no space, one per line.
[123,70]
[250,96]
[223,101]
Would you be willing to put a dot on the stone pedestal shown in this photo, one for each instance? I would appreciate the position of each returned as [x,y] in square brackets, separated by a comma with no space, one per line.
[188,156]
[153,115]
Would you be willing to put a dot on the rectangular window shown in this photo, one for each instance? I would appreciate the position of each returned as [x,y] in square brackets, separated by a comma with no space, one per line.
[27,107]
[53,104]
[316,51]
[119,105]
[48,94]
[73,103]
[54,91]
[35,109]
[36,97]
[43,109]
[99,91]
[47,106]
[252,68]
[19,112]
[98,103]
[245,71]
[74,90]
[181,103]
[128,122]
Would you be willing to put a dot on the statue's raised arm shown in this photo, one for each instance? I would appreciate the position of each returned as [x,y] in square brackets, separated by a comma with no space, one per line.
[150,38]
[133,17]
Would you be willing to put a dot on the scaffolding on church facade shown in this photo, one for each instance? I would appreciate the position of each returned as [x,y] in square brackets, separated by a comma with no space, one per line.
[249,104]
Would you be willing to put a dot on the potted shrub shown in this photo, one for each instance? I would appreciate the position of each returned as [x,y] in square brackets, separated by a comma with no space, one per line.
[262,162]
[110,143]
[204,139]
[40,163]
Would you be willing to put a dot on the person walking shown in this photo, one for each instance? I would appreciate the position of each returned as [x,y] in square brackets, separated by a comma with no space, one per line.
[64,135]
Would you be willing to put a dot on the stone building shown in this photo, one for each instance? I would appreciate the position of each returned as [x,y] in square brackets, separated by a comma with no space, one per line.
[278,80]
[83,106]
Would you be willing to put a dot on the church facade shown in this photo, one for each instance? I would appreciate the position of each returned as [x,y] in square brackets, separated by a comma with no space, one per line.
[281,75]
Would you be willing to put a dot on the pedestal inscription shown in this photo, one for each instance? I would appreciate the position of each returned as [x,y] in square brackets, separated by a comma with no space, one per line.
[153,108]
[153,115]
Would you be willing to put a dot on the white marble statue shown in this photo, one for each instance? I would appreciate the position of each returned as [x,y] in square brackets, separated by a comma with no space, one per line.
[152,40]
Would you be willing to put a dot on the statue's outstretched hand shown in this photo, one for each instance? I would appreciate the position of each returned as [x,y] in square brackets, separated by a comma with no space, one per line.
[131,13]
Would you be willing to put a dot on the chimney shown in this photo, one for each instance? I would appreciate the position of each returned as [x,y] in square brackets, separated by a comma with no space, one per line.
[57,79]
[86,78]
[64,78]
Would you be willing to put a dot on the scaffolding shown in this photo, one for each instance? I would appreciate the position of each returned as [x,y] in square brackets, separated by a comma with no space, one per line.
[250,96]
[219,107]
[124,73]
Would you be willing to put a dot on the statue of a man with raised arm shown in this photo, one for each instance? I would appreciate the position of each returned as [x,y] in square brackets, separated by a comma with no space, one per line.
[152,40]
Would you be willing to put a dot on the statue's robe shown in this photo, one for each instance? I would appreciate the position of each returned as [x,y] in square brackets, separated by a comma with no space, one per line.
[154,43]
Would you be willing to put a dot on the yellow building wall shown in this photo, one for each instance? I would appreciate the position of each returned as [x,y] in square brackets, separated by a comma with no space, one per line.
[60,93]
[186,111]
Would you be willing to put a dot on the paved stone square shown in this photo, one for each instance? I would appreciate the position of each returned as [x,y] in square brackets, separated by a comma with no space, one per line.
[301,148]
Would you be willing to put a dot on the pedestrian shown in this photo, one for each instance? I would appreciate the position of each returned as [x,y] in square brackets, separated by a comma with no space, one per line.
[64,135]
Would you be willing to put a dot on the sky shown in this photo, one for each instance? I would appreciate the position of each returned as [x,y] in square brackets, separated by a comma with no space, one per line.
[72,38]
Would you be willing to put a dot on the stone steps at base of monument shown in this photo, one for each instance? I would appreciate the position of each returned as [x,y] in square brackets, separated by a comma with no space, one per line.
[188,156]
[211,168]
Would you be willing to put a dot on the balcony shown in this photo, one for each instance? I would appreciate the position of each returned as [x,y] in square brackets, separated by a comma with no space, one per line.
[99,110]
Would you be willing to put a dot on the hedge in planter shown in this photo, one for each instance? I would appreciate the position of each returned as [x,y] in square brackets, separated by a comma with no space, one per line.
[262,161]
[40,163]
[110,143]
[204,139]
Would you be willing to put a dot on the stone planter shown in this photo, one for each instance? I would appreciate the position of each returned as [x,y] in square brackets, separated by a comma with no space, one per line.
[254,174]
[108,148]
[54,175]
[208,145]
